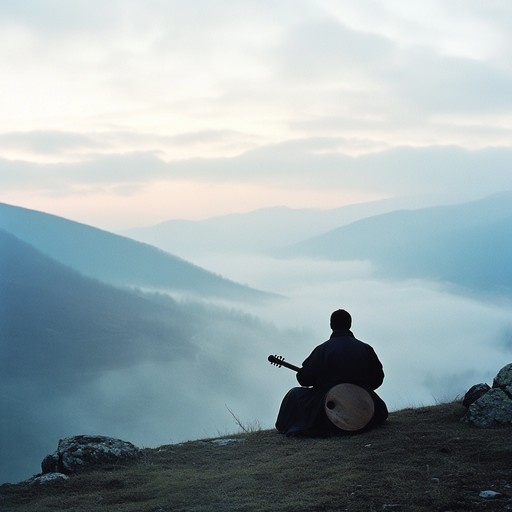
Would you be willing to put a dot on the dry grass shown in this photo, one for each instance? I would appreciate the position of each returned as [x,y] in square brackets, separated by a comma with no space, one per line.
[422,460]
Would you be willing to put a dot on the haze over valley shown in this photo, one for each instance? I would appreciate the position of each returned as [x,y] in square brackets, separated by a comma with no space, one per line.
[95,343]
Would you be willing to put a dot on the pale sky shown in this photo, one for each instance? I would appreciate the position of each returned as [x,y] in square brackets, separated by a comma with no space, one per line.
[122,113]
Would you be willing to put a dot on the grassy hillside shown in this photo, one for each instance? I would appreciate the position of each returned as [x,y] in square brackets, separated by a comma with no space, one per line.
[422,460]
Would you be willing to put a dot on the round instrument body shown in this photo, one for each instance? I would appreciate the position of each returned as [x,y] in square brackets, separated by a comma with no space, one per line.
[349,407]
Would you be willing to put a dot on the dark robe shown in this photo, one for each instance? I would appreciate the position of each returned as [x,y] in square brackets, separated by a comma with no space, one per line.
[341,359]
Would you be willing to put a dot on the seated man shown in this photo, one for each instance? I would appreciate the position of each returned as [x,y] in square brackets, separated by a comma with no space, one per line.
[341,359]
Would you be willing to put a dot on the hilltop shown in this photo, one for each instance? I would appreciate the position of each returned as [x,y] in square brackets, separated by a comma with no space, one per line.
[423,459]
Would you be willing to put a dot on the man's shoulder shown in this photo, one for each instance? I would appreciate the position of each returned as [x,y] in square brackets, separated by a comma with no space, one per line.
[345,337]
[347,341]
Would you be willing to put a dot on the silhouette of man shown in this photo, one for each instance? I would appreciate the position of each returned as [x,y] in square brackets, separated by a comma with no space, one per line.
[341,359]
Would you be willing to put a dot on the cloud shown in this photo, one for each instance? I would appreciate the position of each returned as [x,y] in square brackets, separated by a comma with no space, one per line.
[323,50]
[451,173]
[47,142]
[369,74]
[98,173]
[116,97]
[55,146]
[446,171]
[437,84]
[60,19]
[251,67]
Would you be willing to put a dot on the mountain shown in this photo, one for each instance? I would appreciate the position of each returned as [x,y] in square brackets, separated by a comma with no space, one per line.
[60,334]
[467,244]
[258,231]
[116,259]
[77,353]
[56,322]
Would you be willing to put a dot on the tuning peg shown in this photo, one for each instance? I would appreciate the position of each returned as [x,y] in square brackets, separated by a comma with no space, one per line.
[276,360]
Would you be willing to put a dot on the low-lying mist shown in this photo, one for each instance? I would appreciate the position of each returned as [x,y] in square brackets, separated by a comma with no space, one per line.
[434,342]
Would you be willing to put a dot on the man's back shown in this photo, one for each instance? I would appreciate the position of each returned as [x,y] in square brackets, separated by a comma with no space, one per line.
[342,358]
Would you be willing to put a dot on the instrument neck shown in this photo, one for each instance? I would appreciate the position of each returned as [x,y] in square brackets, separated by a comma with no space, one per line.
[290,366]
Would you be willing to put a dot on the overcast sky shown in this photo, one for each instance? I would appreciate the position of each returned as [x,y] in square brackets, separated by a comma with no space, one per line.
[123,113]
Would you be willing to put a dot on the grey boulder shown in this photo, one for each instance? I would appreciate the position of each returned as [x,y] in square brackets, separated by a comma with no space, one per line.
[78,453]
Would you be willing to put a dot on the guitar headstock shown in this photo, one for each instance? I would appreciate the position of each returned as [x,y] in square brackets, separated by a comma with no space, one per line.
[276,360]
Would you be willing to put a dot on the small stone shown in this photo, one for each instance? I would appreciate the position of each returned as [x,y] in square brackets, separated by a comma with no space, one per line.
[489,494]
[48,478]
[224,442]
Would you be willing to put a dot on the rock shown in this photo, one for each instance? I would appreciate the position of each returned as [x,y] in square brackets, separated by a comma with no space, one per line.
[495,407]
[489,494]
[474,393]
[50,464]
[490,406]
[225,442]
[48,478]
[504,379]
[75,454]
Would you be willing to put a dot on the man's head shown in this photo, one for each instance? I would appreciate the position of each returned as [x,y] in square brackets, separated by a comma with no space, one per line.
[341,320]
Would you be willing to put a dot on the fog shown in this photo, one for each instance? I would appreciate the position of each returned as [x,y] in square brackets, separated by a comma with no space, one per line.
[433,341]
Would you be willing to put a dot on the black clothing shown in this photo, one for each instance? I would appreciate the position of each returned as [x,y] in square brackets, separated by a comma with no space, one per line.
[341,359]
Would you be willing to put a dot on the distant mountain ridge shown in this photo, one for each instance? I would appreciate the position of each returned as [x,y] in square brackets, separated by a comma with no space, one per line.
[258,231]
[467,244]
[116,259]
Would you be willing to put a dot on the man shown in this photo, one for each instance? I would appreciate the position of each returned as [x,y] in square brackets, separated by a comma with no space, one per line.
[341,359]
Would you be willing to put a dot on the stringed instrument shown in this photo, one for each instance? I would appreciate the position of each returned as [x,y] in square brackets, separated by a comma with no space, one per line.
[279,361]
[348,406]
